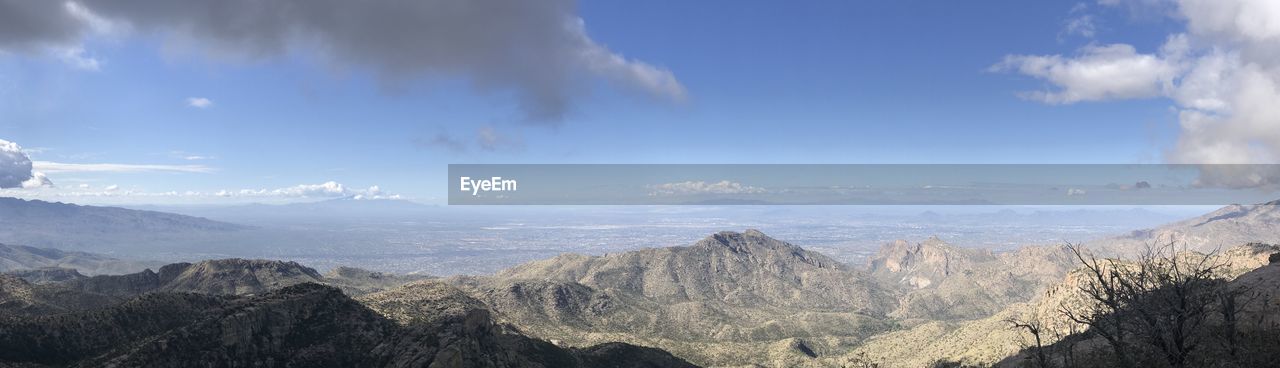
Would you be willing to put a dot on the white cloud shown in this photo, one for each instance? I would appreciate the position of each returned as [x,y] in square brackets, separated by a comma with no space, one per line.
[648,78]
[326,189]
[199,102]
[1107,72]
[1073,192]
[189,156]
[1222,73]
[1249,22]
[703,187]
[61,167]
[84,193]
[76,57]
[329,189]
[1083,25]
[38,180]
[1081,22]
[15,165]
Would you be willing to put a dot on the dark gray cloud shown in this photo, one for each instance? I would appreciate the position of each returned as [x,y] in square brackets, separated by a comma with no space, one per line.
[487,138]
[537,50]
[442,140]
[1257,176]
[27,25]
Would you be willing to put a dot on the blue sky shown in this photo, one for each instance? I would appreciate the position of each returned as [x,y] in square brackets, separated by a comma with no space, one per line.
[763,82]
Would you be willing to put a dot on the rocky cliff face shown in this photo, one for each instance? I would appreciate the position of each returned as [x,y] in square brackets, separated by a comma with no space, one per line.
[940,281]
[920,265]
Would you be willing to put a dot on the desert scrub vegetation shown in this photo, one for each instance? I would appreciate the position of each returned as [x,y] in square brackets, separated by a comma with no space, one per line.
[1167,307]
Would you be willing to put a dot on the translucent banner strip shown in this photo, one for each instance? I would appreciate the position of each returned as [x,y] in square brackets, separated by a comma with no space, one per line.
[861,184]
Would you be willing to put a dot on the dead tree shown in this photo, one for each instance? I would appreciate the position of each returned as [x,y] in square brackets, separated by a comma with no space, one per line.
[1036,328]
[1172,294]
[1163,299]
[1106,299]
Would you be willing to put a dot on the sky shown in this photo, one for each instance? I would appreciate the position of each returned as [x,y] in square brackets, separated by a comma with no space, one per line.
[156,101]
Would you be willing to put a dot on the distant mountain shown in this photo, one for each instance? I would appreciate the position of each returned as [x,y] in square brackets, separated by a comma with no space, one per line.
[103,229]
[1228,226]
[300,325]
[1131,218]
[21,212]
[729,299]
[18,257]
[346,209]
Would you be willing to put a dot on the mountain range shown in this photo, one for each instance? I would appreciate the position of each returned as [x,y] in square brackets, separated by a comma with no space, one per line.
[731,299]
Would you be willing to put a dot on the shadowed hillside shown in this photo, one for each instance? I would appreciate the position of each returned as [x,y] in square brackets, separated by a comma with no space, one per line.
[300,325]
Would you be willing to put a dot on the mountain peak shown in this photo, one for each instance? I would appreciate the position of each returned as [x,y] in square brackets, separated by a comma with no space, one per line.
[745,242]
[936,242]
[236,276]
